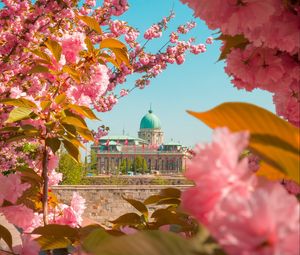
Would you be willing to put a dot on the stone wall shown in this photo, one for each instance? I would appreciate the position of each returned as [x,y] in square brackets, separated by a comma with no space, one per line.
[105,203]
[137,180]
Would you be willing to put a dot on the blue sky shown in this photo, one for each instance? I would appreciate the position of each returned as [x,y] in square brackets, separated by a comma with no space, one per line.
[199,84]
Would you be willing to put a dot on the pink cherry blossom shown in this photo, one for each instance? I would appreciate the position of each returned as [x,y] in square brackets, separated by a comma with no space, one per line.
[11,187]
[54,177]
[66,216]
[213,169]
[28,246]
[52,162]
[245,214]
[268,60]
[123,92]
[27,222]
[255,222]
[70,215]
[71,45]
[153,32]
[209,40]
[78,204]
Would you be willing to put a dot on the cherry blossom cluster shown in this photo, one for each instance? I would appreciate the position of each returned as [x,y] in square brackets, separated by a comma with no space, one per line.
[268,56]
[148,64]
[51,48]
[21,35]
[240,209]
[17,154]
[25,218]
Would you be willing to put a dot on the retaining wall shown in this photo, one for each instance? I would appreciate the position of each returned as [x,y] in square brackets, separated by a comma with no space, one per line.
[105,202]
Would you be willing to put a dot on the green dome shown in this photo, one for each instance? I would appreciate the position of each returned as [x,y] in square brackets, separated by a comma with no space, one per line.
[150,121]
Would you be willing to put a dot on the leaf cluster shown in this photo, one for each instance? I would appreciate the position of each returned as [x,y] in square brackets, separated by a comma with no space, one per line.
[273,139]
[148,240]
[167,213]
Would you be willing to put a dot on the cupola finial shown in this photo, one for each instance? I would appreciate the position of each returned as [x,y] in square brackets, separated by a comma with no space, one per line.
[150,110]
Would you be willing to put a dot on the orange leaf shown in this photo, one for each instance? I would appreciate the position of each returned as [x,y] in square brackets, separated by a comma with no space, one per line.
[275,140]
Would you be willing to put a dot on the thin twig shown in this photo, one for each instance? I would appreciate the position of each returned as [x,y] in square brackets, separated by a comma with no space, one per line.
[45,184]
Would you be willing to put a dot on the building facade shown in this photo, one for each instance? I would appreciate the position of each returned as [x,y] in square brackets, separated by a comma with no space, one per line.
[112,151]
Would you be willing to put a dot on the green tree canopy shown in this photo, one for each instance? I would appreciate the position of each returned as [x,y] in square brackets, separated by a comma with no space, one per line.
[139,165]
[72,171]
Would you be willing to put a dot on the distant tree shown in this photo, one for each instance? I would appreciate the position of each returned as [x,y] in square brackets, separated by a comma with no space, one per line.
[93,162]
[122,166]
[125,166]
[139,165]
[71,170]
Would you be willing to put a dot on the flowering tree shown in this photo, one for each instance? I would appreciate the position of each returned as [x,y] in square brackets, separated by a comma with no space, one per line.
[246,213]
[261,46]
[58,61]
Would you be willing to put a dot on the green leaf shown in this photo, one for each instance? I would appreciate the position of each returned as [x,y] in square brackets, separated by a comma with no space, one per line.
[128,219]
[153,199]
[74,121]
[50,125]
[73,140]
[9,129]
[91,23]
[85,133]
[56,230]
[72,72]
[83,110]
[45,104]
[28,127]
[162,212]
[6,236]
[29,175]
[89,44]
[137,205]
[60,98]
[274,139]
[170,193]
[145,243]
[19,113]
[69,113]
[20,137]
[94,239]
[231,42]
[282,160]
[72,150]
[41,54]
[22,102]
[169,201]
[205,244]
[166,217]
[112,43]
[71,130]
[53,143]
[50,242]
[109,59]
[55,48]
[87,230]
[39,69]
[121,56]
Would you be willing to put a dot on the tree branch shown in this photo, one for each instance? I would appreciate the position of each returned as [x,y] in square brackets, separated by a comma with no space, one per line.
[45,184]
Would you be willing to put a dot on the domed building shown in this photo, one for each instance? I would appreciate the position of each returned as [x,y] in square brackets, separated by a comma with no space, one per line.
[113,152]
[150,129]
